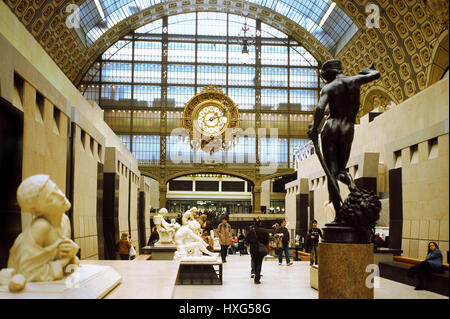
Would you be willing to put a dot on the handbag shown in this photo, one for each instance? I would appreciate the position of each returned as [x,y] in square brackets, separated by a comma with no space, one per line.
[278,241]
[261,248]
[132,251]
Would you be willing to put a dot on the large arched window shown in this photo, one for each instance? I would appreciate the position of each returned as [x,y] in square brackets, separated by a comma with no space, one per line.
[322,18]
[133,76]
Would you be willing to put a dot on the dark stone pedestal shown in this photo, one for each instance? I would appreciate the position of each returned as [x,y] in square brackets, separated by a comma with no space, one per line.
[338,233]
[165,252]
[199,273]
[342,271]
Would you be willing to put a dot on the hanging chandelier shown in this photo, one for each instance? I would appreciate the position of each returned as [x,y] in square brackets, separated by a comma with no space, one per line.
[245,56]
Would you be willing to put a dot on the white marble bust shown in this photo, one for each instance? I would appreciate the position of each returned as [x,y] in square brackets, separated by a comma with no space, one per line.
[44,249]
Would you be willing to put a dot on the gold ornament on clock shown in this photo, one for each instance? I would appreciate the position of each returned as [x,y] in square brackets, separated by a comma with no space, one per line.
[212,119]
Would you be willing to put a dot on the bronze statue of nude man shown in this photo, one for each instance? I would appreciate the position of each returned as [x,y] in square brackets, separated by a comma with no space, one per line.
[341,94]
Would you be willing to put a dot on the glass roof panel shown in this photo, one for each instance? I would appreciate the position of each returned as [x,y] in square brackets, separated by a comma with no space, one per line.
[307,13]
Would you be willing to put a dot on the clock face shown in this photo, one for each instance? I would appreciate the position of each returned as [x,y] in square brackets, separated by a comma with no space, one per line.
[211,120]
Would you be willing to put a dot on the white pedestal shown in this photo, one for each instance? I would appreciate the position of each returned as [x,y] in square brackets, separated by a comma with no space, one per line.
[88,282]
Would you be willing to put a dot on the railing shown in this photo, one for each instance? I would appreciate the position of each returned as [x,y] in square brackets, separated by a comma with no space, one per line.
[302,152]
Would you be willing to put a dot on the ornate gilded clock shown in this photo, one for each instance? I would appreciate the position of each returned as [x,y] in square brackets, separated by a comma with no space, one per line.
[211,118]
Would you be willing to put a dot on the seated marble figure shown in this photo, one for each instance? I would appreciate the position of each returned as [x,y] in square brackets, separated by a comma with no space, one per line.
[190,246]
[166,231]
[44,249]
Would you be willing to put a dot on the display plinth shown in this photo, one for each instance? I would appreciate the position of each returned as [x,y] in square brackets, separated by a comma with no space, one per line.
[338,233]
[160,252]
[342,271]
[200,273]
[88,282]
[314,277]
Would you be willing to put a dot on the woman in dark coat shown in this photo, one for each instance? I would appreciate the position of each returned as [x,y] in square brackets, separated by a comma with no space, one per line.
[433,263]
[256,235]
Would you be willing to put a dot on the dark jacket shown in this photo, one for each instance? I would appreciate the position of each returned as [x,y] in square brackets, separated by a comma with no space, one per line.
[154,237]
[434,259]
[259,235]
[316,232]
[286,237]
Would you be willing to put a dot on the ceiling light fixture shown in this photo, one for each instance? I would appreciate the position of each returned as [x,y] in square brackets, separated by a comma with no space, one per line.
[245,56]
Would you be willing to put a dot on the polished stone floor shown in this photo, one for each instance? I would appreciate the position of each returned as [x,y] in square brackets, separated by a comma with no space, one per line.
[282,282]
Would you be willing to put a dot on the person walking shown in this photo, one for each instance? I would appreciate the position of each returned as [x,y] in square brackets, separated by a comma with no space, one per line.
[258,239]
[284,233]
[314,234]
[224,232]
[241,245]
[124,246]
[433,263]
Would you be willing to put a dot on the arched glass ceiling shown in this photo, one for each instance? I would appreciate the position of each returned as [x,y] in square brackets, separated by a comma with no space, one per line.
[325,21]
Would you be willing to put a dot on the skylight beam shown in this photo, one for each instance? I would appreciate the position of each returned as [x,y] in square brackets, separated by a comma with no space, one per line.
[99,8]
[327,14]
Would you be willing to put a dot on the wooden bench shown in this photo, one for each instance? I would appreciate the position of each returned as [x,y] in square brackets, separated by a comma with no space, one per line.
[304,256]
[143,257]
[413,261]
[398,271]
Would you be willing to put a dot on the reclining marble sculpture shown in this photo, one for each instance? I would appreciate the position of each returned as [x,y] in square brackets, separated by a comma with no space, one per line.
[166,231]
[190,246]
[44,249]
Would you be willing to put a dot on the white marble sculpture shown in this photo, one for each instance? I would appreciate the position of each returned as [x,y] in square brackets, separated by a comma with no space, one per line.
[166,231]
[190,214]
[174,224]
[190,246]
[44,249]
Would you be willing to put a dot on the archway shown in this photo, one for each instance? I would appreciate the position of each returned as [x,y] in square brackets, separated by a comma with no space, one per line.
[213,193]
[440,60]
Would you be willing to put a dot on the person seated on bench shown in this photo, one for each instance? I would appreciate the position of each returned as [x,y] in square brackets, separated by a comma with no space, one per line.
[433,263]
[378,241]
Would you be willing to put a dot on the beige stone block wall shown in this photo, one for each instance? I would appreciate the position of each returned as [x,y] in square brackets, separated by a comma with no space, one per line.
[86,159]
[425,195]
[320,198]
[134,193]
[123,197]
[146,188]
[266,194]
[292,189]
[44,140]
[154,193]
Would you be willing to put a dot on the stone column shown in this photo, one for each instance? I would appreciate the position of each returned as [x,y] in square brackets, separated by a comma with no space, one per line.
[342,271]
[162,195]
[257,199]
